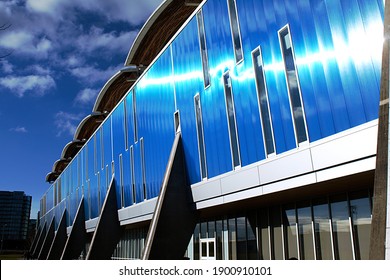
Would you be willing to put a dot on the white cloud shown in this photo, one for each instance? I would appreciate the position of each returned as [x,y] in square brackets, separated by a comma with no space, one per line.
[6,67]
[16,39]
[109,41]
[20,85]
[90,75]
[24,42]
[133,11]
[44,6]
[19,129]
[66,123]
[39,70]
[86,97]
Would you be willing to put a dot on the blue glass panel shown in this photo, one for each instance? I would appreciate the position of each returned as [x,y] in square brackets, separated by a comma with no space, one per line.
[188,82]
[118,146]
[221,58]
[155,117]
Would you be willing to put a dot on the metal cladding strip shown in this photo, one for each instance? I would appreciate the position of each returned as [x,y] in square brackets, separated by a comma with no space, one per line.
[59,241]
[108,230]
[75,243]
[47,241]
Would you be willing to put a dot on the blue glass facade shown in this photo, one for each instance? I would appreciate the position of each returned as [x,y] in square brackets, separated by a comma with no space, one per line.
[336,48]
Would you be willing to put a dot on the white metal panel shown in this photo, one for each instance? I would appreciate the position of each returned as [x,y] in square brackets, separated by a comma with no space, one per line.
[347,169]
[290,165]
[209,202]
[347,147]
[90,225]
[207,189]
[290,183]
[240,180]
[254,192]
[137,210]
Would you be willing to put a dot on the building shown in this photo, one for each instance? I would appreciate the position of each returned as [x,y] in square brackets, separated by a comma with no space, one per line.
[15,210]
[237,129]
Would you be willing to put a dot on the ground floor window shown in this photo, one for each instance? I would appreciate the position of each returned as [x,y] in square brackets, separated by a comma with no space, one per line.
[331,227]
[131,244]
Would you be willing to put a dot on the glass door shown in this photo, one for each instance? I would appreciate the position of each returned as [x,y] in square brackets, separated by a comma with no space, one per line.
[207,249]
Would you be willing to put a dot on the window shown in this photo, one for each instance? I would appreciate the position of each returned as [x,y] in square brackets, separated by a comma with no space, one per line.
[322,230]
[231,115]
[95,155]
[99,194]
[125,124]
[102,147]
[263,101]
[135,117]
[132,173]
[177,121]
[305,232]
[293,85]
[203,48]
[199,129]
[143,167]
[341,226]
[290,232]
[107,178]
[235,29]
[121,182]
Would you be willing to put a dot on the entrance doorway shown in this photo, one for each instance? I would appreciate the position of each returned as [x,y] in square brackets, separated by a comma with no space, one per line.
[207,249]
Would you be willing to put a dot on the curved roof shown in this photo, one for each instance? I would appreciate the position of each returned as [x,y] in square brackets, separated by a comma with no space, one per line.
[159,29]
[71,149]
[116,87]
[152,38]
[88,126]
[60,165]
[51,177]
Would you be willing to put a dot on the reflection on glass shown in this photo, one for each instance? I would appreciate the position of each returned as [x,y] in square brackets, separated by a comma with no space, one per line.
[264,234]
[199,129]
[292,83]
[305,231]
[232,239]
[290,226]
[361,221]
[203,48]
[252,251]
[234,145]
[241,238]
[276,234]
[235,30]
[203,230]
[322,230]
[196,242]
[211,229]
[341,228]
[263,102]
[219,239]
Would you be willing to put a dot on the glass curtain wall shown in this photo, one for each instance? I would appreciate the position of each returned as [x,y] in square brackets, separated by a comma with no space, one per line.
[334,227]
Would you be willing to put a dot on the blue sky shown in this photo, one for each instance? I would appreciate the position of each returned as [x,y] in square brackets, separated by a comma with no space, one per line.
[61,53]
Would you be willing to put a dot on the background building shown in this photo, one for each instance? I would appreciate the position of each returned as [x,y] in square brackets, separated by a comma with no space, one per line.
[15,210]
[237,129]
